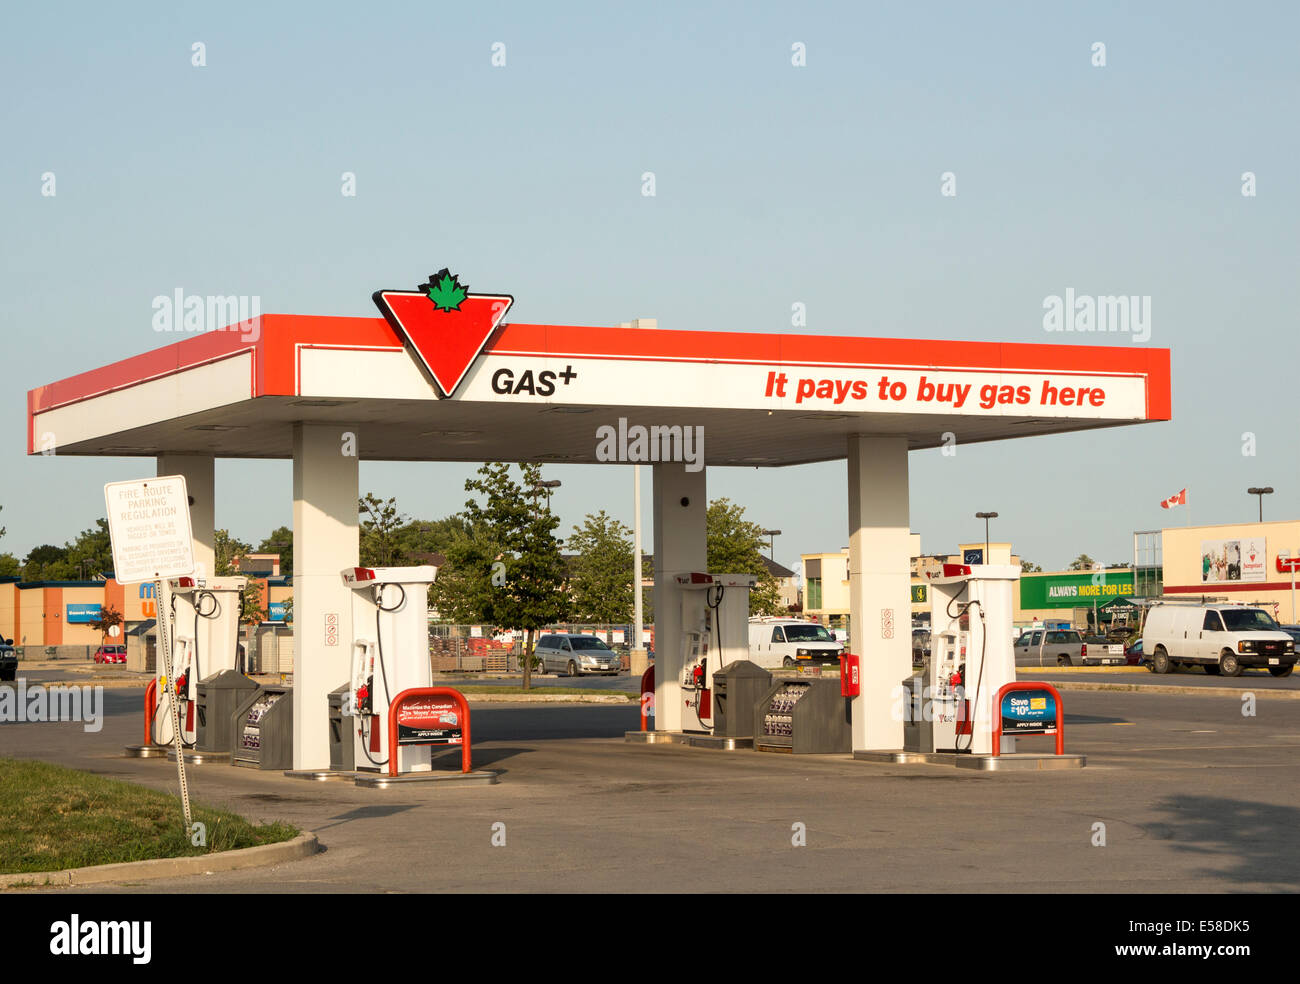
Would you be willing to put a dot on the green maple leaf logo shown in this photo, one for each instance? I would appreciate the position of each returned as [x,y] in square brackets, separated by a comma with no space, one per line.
[445,290]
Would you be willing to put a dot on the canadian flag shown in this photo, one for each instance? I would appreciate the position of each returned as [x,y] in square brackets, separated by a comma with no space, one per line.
[1175,500]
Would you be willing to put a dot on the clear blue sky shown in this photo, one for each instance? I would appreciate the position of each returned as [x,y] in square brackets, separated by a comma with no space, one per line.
[775,184]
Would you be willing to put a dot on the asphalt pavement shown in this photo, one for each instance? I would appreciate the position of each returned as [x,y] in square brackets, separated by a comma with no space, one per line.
[1193,795]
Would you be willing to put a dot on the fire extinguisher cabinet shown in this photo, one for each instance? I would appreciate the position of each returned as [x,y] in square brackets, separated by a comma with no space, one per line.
[804,716]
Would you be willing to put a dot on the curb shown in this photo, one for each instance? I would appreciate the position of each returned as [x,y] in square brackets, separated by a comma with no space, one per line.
[1156,688]
[302,846]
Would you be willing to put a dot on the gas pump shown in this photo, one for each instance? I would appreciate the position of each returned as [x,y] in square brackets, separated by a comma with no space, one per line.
[203,619]
[971,655]
[715,633]
[390,654]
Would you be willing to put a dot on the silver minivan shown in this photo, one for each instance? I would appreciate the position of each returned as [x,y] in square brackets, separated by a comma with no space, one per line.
[575,654]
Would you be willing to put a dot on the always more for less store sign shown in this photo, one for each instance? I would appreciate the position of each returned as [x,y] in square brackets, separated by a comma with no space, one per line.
[1074,590]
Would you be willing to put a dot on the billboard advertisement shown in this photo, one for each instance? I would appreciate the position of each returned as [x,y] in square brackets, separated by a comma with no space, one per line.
[1232,560]
[1070,590]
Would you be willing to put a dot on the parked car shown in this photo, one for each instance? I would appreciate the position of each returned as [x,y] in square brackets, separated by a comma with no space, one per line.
[1063,647]
[789,642]
[8,660]
[1103,651]
[576,654]
[110,654]
[1133,654]
[1224,639]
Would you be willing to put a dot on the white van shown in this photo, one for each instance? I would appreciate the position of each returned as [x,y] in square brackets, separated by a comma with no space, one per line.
[1222,638]
[787,642]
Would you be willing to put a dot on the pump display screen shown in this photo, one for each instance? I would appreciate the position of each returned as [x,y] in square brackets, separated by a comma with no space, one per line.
[429,721]
[1029,712]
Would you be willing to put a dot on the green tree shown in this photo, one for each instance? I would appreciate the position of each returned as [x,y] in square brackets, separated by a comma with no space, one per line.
[48,563]
[380,521]
[280,542]
[1028,567]
[92,551]
[463,589]
[510,565]
[10,566]
[1082,563]
[735,546]
[251,610]
[600,577]
[226,550]
[422,536]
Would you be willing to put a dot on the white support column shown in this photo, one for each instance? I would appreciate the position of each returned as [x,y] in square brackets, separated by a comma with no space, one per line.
[680,537]
[200,483]
[880,596]
[325,541]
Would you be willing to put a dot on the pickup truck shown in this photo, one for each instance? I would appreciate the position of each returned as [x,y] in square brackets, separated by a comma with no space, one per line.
[1063,647]
[8,660]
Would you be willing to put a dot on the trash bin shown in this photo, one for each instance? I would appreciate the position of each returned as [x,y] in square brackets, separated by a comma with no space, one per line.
[737,689]
[217,699]
[342,748]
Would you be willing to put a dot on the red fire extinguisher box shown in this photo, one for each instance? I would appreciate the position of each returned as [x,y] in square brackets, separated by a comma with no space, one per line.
[850,683]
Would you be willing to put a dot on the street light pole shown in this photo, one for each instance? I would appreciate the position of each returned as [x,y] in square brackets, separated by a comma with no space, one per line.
[638,609]
[771,543]
[546,487]
[1261,492]
[986,516]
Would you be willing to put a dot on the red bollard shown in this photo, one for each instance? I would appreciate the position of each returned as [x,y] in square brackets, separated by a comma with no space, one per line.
[150,709]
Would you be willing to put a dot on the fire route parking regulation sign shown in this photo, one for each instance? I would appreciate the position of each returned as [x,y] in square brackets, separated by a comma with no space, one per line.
[149,526]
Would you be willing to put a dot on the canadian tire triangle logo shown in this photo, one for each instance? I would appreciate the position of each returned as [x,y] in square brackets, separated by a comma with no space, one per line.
[444,324]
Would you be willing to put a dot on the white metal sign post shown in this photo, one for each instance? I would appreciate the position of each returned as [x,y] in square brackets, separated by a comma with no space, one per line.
[149,527]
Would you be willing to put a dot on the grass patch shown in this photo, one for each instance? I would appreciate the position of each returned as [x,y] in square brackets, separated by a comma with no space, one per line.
[53,818]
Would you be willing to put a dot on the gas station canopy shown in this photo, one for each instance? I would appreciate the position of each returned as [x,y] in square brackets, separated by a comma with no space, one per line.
[539,392]
[442,376]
